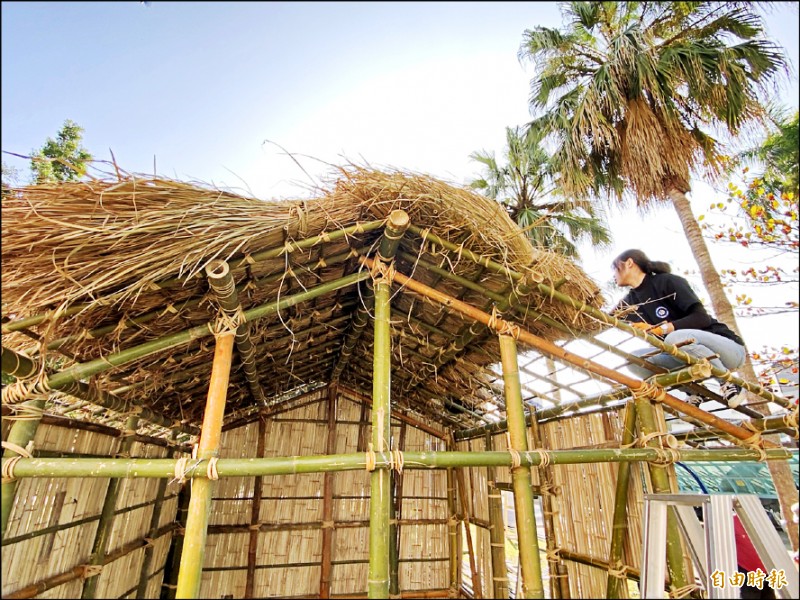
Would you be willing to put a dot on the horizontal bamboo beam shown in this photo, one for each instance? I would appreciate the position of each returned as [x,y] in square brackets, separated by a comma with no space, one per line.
[21,366]
[247,467]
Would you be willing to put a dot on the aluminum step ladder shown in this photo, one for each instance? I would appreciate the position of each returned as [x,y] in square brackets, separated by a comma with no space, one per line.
[712,544]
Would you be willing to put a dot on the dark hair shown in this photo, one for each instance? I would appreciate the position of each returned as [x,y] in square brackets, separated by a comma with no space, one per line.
[645,264]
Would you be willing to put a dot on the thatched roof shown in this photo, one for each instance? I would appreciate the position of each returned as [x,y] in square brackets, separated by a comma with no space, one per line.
[124,262]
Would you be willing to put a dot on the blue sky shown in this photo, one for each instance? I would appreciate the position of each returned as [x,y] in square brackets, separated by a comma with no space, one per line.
[200,86]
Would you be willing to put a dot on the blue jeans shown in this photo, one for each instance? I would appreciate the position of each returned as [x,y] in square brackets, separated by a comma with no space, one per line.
[730,354]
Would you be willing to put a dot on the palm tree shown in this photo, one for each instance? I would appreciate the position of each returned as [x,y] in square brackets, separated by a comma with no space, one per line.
[634,93]
[526,186]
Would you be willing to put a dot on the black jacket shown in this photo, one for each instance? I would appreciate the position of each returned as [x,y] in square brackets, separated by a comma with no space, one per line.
[667,297]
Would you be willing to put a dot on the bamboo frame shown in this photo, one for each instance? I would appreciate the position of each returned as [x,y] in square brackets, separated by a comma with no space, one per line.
[615,587]
[194,543]
[378,583]
[327,502]
[248,467]
[497,535]
[21,434]
[255,515]
[453,536]
[107,515]
[466,518]
[530,566]
[676,566]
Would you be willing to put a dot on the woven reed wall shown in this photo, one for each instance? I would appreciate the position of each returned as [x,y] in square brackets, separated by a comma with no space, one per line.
[59,502]
[289,554]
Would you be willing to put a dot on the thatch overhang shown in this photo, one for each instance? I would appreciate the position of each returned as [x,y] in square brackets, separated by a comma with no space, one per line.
[96,268]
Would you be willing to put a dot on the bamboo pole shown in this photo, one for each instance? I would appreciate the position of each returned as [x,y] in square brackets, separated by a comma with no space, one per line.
[530,566]
[550,348]
[173,561]
[221,282]
[477,587]
[194,543]
[676,566]
[255,515]
[395,517]
[380,479]
[248,467]
[21,434]
[327,500]
[546,480]
[18,364]
[552,292]
[107,514]
[497,536]
[155,518]
[453,537]
[616,586]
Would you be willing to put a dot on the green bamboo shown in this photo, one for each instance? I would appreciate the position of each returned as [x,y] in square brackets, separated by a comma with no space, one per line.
[107,514]
[221,282]
[454,545]
[380,479]
[249,467]
[676,567]
[552,292]
[21,433]
[396,227]
[21,366]
[545,493]
[194,541]
[497,537]
[93,367]
[530,566]
[616,587]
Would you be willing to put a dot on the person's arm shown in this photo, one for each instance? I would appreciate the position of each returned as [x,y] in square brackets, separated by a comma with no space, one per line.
[684,298]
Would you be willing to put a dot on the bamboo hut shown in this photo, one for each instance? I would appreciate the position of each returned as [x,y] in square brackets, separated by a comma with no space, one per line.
[216,396]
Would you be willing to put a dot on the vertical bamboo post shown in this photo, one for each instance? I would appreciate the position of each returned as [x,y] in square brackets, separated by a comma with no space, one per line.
[548,509]
[497,530]
[106,524]
[617,583]
[173,562]
[532,586]
[327,501]
[255,514]
[155,518]
[194,541]
[676,567]
[453,537]
[477,587]
[21,434]
[394,518]
[380,479]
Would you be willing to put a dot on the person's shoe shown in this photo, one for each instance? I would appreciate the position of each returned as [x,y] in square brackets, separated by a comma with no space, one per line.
[694,400]
[731,393]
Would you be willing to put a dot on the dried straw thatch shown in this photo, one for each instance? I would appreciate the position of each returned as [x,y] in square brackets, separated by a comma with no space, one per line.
[125,262]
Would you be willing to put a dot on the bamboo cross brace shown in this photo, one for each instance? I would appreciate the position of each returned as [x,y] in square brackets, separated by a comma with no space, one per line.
[556,351]
[582,307]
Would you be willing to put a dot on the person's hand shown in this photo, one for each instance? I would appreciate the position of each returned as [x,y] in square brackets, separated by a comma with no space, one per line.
[646,327]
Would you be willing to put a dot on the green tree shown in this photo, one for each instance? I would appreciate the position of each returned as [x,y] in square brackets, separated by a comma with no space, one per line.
[63,158]
[525,185]
[634,93]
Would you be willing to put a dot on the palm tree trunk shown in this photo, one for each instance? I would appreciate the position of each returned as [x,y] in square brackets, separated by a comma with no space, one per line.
[780,471]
